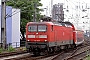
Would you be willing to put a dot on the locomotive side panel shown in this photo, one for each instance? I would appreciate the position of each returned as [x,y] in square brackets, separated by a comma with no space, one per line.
[58,31]
[51,38]
[68,35]
[63,35]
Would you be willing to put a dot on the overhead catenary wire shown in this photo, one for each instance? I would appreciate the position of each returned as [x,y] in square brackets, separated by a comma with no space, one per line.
[13,11]
[16,9]
[79,9]
[9,15]
[20,11]
[75,5]
[15,3]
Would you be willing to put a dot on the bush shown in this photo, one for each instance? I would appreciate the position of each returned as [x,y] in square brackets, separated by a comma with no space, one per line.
[24,48]
[1,50]
[11,49]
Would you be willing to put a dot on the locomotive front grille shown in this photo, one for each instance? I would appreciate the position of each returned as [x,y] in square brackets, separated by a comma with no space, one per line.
[37,44]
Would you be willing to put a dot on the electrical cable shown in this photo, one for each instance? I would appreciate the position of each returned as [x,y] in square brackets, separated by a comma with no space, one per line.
[19,11]
[75,5]
[15,3]
[15,10]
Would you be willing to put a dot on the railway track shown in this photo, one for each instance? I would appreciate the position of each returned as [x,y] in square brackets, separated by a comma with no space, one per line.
[53,56]
[11,53]
[64,54]
[69,56]
[32,57]
[77,54]
[84,57]
[72,54]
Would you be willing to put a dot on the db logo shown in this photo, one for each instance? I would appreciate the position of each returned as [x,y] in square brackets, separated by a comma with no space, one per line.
[36,36]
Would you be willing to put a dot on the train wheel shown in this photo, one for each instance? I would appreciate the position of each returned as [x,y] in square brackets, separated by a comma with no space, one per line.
[69,46]
[46,52]
[73,45]
[55,49]
[36,53]
[59,49]
[66,47]
[50,50]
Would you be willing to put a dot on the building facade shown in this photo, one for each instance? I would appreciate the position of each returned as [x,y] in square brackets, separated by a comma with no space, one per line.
[12,26]
[57,12]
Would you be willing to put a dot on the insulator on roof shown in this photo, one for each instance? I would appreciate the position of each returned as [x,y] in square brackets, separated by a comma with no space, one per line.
[46,18]
[41,20]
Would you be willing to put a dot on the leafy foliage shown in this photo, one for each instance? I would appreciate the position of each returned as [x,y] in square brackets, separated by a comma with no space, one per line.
[27,8]
[1,50]
[11,49]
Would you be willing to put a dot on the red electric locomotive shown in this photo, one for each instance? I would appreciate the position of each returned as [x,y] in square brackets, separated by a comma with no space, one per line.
[48,37]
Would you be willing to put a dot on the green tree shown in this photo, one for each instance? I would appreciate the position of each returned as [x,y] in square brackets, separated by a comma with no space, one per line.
[27,8]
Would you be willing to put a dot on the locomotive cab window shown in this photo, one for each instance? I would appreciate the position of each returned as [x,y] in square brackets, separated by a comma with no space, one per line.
[32,28]
[42,28]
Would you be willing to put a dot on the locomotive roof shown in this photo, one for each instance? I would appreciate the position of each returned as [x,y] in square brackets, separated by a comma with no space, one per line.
[48,23]
[58,24]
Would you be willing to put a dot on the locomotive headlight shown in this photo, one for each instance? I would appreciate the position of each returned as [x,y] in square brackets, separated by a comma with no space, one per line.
[45,40]
[42,36]
[28,40]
